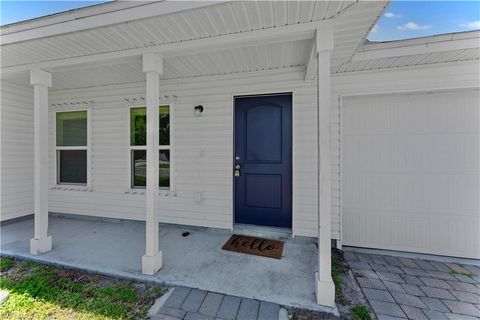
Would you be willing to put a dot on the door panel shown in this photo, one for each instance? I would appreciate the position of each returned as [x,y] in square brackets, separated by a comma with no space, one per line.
[263,134]
[271,182]
[263,154]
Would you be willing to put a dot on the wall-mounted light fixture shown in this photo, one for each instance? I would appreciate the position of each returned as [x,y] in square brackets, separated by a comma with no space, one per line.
[198,110]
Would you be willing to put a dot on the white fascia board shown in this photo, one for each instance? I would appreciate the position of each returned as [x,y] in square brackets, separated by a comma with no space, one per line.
[74,23]
[67,16]
[237,40]
[425,48]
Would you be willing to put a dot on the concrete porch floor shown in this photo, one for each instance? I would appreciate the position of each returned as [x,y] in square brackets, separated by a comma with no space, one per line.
[116,247]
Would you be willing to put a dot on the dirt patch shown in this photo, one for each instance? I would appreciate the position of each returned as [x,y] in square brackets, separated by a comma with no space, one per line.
[348,294]
[298,314]
[77,276]
[351,295]
[339,269]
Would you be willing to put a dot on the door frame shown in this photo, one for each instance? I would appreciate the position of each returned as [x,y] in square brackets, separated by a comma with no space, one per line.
[252,94]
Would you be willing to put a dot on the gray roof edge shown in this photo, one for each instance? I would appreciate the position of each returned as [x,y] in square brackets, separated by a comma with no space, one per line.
[452,36]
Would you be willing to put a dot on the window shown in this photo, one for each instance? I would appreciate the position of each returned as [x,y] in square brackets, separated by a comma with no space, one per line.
[72,138]
[138,147]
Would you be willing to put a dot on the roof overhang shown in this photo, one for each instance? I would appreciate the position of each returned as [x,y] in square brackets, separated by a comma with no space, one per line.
[444,48]
[232,41]
[105,14]
[244,36]
[417,46]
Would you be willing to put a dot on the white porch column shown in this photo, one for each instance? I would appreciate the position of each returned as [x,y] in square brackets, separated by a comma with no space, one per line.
[40,242]
[153,67]
[325,289]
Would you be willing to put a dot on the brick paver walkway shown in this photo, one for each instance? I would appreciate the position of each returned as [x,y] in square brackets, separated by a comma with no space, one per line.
[400,288]
[194,304]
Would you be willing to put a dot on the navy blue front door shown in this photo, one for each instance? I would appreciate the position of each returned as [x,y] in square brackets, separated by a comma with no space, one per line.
[263,160]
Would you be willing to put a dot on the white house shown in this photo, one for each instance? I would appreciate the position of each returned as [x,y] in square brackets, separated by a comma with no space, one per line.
[278,114]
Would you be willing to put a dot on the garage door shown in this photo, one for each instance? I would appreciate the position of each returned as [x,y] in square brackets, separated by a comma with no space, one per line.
[410,172]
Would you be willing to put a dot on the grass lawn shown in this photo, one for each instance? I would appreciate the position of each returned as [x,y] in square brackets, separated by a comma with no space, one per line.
[45,292]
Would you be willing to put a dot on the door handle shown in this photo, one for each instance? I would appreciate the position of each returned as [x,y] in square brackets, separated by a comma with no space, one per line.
[237,173]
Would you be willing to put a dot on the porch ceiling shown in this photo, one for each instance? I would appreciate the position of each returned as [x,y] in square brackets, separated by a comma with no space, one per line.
[352,20]
[288,54]
[247,59]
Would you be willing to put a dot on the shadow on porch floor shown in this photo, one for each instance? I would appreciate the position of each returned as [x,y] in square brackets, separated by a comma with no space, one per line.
[197,261]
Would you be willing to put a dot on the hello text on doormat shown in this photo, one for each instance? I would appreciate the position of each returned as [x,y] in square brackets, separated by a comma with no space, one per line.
[256,246]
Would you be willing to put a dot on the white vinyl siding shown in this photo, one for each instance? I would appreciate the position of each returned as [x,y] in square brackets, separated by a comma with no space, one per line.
[16,155]
[411,172]
[204,164]
[203,168]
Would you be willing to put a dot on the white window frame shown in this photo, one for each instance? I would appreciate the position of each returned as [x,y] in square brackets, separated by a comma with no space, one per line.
[171,147]
[88,147]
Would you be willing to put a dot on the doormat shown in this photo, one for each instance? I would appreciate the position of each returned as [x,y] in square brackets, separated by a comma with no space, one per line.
[256,246]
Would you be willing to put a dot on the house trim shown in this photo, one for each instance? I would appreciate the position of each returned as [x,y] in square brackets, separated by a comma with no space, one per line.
[339,242]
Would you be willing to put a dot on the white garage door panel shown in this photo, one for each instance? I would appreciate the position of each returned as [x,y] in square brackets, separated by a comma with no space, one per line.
[410,172]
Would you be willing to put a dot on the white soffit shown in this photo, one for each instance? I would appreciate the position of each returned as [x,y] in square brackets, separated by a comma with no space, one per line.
[352,22]
[284,55]
[93,16]
[461,46]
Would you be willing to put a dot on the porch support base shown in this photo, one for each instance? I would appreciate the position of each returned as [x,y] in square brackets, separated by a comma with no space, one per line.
[39,246]
[324,291]
[151,264]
